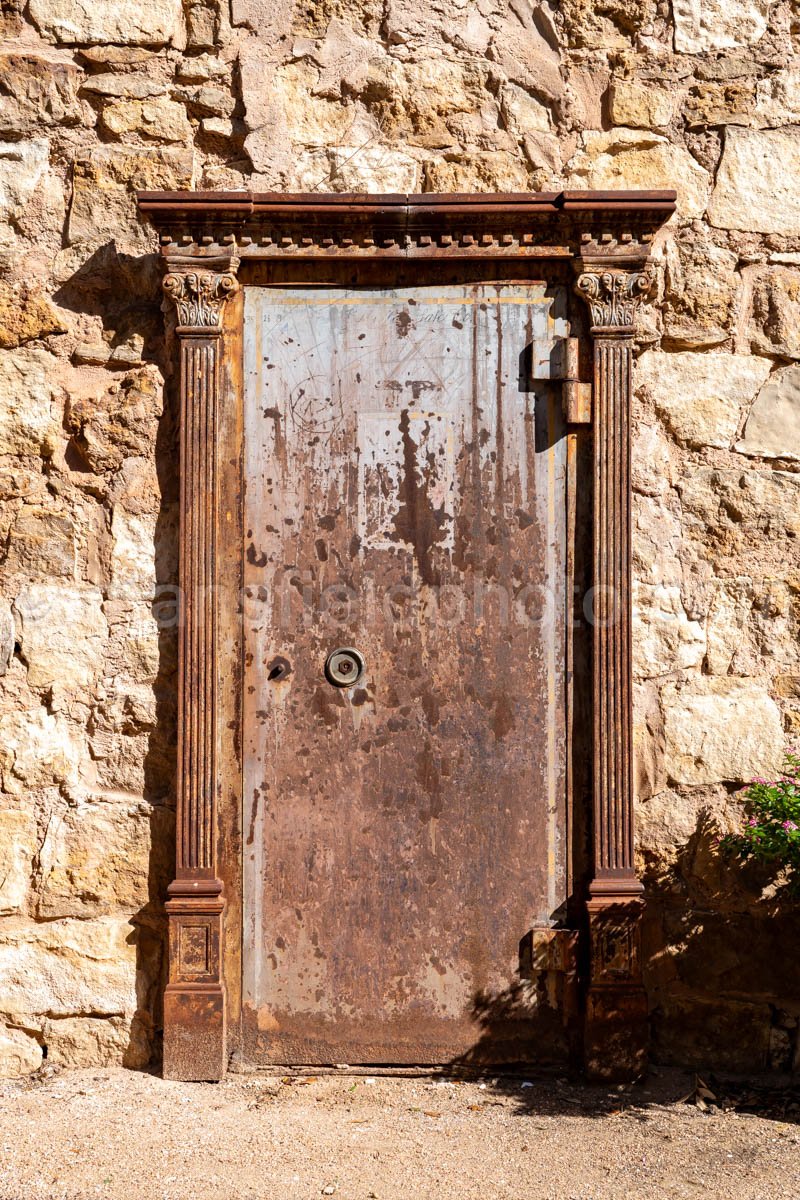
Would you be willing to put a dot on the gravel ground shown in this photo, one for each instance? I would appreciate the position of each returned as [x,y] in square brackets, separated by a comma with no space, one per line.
[121,1135]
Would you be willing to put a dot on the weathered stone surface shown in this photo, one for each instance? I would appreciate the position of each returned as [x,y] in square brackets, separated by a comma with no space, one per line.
[701,396]
[38,749]
[729,102]
[37,92]
[775,323]
[133,569]
[720,730]
[476,172]
[756,182]
[778,98]
[122,422]
[628,158]
[134,86]
[103,200]
[100,857]
[702,25]
[62,632]
[159,120]
[700,286]
[88,1041]
[728,618]
[96,22]
[640,105]
[19,837]
[773,424]
[741,516]
[27,418]
[42,543]
[20,1053]
[26,314]
[664,638]
[65,968]
[22,166]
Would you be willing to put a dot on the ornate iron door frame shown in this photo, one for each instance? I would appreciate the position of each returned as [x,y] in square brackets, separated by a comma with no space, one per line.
[207,240]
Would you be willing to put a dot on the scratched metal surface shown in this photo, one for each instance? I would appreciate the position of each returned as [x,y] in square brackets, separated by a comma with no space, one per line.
[405,494]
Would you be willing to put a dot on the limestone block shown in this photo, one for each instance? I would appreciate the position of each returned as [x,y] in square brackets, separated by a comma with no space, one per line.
[756,185]
[201,68]
[103,191]
[42,543]
[499,172]
[159,120]
[20,1053]
[358,168]
[700,396]
[526,58]
[629,158]
[700,285]
[38,749]
[134,86]
[100,856]
[702,25]
[641,105]
[523,113]
[778,98]
[76,1042]
[209,100]
[97,22]
[665,822]
[120,423]
[726,102]
[736,512]
[730,628]
[27,420]
[38,91]
[773,424]
[133,569]
[62,634]
[657,540]
[665,640]
[22,165]
[6,636]
[65,968]
[720,730]
[20,846]
[651,463]
[775,323]
[26,313]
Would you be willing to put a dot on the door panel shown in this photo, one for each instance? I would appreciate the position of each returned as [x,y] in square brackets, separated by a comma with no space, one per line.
[405,495]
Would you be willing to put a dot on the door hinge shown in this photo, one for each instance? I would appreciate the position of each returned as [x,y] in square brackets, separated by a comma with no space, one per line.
[576,396]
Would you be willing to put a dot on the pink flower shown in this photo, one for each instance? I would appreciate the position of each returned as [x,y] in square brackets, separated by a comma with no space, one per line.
[789,825]
[752,822]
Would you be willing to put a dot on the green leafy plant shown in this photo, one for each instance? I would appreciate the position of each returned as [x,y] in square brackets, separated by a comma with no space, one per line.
[771,833]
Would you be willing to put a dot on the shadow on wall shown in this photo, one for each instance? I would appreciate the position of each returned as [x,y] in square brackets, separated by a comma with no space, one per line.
[124,291]
[722,970]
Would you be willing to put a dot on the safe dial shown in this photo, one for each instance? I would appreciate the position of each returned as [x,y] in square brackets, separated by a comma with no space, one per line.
[344,668]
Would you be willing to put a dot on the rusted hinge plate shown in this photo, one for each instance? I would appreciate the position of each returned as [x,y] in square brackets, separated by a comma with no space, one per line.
[547,949]
[576,396]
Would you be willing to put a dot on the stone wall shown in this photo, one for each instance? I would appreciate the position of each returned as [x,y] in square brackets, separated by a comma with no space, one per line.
[102,97]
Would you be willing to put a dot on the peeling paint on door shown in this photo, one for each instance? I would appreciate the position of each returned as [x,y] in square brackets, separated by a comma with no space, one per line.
[405,496]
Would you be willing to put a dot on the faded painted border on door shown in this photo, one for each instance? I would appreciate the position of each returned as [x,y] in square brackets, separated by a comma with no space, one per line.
[209,239]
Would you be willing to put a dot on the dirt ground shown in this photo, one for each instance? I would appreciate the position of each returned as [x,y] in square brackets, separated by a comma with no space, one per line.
[120,1135]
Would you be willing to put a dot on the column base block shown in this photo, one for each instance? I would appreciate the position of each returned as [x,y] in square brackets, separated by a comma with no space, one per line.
[616,1034]
[194,1033]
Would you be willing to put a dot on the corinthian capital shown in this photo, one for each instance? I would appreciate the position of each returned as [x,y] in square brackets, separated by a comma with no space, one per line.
[199,295]
[613,295]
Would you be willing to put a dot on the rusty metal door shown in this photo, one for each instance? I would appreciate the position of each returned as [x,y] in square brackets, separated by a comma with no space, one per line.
[405,498]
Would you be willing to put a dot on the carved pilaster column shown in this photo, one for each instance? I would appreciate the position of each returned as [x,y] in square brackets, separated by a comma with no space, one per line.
[194,1001]
[616,1032]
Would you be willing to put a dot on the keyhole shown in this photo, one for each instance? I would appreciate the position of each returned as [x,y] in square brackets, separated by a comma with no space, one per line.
[278,669]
